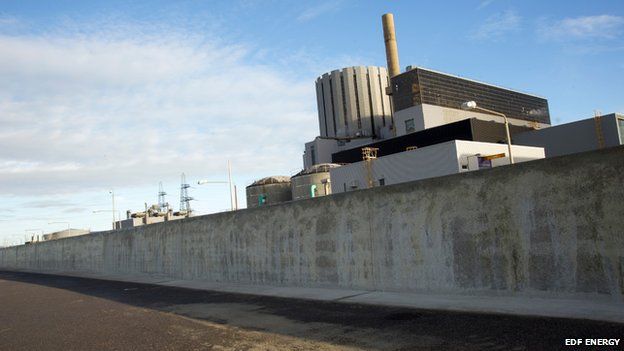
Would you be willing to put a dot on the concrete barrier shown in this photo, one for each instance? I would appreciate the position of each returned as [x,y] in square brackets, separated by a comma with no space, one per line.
[551,229]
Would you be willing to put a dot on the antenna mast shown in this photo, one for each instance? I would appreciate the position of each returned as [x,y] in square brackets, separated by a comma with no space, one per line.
[162,204]
[185,200]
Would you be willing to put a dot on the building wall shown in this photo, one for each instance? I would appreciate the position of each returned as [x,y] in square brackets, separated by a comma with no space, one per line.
[322,149]
[428,116]
[135,222]
[352,101]
[65,234]
[275,193]
[320,104]
[423,86]
[413,113]
[431,161]
[129,223]
[574,137]
[301,185]
[468,150]
[549,228]
[319,151]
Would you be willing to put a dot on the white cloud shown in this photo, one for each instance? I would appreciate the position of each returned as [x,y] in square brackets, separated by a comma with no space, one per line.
[588,27]
[318,10]
[7,21]
[497,26]
[48,203]
[121,107]
[484,3]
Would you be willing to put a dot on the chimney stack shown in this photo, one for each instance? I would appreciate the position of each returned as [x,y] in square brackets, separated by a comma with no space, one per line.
[392,53]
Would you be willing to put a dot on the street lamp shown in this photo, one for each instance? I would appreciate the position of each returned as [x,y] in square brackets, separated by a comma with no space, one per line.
[118,215]
[112,192]
[68,228]
[233,199]
[472,105]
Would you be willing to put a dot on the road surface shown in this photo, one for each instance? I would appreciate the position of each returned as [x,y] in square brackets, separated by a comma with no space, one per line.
[46,312]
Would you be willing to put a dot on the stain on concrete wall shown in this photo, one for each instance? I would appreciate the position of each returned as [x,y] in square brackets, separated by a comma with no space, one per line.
[551,227]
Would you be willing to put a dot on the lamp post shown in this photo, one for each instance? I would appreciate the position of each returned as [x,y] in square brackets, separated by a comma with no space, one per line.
[118,215]
[112,192]
[68,228]
[233,199]
[472,105]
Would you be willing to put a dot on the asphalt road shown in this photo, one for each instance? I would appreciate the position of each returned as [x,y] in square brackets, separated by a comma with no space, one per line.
[45,312]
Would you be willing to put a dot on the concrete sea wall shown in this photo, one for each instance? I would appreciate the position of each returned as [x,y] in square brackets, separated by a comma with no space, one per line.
[551,228]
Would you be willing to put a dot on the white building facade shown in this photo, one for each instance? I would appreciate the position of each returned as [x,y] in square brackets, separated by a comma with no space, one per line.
[432,161]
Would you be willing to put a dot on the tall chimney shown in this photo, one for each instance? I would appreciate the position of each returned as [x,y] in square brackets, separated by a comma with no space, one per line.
[392,53]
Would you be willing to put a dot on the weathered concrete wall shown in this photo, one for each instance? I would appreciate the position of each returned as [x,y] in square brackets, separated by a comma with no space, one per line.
[552,228]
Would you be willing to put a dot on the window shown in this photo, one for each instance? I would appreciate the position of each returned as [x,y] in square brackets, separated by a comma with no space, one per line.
[409,126]
[621,128]
[382,181]
[484,162]
[312,155]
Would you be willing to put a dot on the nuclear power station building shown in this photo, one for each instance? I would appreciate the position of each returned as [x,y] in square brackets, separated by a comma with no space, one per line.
[381,126]
[352,102]
[424,98]
[353,109]
[414,125]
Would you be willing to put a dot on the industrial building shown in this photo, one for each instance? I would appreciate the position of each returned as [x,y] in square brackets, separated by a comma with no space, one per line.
[429,131]
[353,109]
[67,233]
[320,150]
[468,129]
[380,127]
[424,98]
[434,133]
[312,182]
[580,136]
[269,191]
[417,100]
[455,156]
[161,212]
[153,214]
[427,109]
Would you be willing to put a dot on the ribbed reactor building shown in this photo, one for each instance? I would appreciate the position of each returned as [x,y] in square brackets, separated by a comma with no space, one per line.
[352,102]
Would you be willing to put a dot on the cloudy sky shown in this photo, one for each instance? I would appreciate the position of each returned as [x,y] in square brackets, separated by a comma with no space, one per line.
[104,95]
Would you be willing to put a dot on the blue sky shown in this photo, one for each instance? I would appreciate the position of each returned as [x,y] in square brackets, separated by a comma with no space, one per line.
[110,94]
